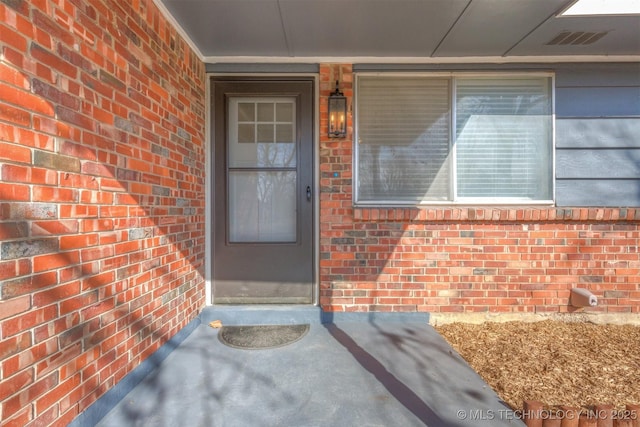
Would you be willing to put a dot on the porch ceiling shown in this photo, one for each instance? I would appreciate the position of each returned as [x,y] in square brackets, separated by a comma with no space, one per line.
[226,29]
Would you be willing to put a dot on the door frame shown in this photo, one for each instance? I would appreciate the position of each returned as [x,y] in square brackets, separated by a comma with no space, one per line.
[314,78]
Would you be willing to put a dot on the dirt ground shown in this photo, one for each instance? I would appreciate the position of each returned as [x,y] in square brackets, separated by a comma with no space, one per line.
[555,362]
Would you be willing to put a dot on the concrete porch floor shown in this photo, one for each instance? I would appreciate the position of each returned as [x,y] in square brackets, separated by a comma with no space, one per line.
[360,370]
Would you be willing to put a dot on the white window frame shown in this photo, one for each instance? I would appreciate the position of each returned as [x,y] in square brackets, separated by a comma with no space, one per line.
[456,201]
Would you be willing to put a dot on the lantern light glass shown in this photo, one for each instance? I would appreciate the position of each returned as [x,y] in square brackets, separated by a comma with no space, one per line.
[337,114]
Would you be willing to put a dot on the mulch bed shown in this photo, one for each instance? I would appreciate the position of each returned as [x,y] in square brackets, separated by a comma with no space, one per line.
[555,362]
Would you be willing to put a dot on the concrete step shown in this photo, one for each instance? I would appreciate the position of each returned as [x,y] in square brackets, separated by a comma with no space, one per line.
[235,315]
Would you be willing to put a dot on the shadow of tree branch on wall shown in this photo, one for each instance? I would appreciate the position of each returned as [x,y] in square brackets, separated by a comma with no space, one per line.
[102,214]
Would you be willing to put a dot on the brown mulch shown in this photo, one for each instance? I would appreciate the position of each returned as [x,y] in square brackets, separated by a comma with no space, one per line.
[555,362]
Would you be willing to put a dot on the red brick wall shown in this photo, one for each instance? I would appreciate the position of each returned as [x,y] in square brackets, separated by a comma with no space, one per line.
[464,259]
[102,118]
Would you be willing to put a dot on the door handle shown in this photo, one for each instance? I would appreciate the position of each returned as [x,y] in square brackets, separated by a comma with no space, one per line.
[308,193]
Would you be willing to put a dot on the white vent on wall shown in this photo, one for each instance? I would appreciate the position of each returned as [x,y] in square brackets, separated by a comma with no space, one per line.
[576,38]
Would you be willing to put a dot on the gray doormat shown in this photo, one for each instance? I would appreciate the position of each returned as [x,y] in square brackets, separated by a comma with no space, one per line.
[261,336]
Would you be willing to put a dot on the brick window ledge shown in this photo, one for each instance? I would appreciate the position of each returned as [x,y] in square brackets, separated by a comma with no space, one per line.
[496,214]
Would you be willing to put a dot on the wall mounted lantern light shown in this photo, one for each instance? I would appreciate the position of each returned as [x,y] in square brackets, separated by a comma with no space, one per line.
[337,114]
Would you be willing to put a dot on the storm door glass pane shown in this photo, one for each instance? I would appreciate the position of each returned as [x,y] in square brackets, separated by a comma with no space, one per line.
[262,206]
[262,174]
[262,132]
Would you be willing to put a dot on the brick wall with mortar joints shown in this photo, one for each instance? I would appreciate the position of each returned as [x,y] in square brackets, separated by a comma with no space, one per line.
[464,259]
[102,118]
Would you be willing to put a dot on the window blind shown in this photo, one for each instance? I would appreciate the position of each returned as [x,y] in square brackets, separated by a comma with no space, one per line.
[403,139]
[503,129]
[496,146]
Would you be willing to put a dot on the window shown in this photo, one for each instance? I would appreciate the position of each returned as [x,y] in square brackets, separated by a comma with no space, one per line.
[454,139]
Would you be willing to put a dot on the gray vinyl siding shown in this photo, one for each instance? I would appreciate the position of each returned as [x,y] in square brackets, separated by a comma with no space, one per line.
[598,134]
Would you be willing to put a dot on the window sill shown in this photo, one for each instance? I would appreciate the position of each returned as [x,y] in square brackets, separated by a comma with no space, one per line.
[466,203]
[493,214]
